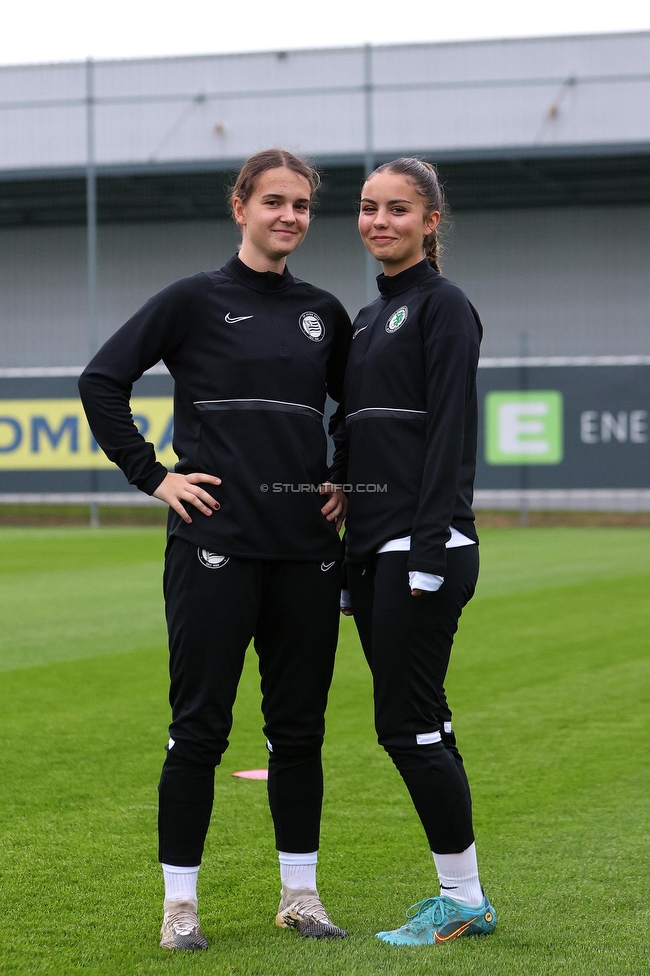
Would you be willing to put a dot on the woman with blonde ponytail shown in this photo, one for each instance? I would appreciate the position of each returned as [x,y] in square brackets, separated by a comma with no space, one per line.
[412,549]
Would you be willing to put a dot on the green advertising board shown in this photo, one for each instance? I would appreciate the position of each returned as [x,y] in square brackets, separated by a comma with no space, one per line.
[524,427]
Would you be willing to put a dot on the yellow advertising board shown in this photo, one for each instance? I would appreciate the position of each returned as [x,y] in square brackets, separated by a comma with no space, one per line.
[54,434]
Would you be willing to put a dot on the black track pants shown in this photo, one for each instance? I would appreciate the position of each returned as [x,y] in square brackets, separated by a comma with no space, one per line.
[407,641]
[290,609]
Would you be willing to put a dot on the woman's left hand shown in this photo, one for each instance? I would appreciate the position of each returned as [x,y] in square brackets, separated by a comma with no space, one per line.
[336,506]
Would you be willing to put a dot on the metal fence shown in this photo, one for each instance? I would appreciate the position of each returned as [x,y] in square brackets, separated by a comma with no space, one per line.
[534,166]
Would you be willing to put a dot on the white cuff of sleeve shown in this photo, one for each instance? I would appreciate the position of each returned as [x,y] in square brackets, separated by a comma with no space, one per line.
[346,602]
[425,581]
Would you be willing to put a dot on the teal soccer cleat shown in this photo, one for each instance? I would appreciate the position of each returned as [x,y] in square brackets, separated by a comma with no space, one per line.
[437,920]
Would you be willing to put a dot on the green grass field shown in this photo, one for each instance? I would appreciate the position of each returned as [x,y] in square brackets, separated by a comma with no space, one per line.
[549,681]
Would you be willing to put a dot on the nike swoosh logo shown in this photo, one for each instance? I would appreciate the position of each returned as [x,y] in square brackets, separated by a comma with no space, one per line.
[359,330]
[238,318]
[453,935]
[326,566]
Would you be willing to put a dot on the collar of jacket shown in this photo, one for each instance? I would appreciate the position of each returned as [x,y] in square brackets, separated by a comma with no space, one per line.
[390,285]
[263,281]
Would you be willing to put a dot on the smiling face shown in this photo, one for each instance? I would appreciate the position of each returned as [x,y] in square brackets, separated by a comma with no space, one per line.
[393,221]
[274,219]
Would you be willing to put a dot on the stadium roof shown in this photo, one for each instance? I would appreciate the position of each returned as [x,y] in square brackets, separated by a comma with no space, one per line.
[531,122]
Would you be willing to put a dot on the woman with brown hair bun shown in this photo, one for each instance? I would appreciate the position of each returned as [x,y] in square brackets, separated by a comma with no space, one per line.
[411,546]
[251,554]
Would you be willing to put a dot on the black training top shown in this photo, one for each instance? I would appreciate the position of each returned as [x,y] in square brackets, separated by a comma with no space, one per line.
[411,416]
[253,356]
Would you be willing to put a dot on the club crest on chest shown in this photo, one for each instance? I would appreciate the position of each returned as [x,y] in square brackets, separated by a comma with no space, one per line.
[397,319]
[312,326]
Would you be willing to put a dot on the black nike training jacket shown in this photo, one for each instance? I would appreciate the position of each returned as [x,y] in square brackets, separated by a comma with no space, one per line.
[253,356]
[411,416]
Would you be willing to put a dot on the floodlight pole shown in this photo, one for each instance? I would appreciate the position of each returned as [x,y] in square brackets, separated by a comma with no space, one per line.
[368,161]
[91,244]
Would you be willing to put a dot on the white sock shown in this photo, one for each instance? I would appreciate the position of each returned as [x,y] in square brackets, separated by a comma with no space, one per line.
[298,870]
[180,883]
[458,876]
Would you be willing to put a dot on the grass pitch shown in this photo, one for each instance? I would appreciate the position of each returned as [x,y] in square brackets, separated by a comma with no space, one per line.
[549,684]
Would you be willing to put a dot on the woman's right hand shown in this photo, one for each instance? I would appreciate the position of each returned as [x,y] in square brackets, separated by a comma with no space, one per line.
[177,488]
[346,603]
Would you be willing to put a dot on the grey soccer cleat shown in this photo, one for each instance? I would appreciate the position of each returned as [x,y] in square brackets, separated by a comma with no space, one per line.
[180,927]
[302,909]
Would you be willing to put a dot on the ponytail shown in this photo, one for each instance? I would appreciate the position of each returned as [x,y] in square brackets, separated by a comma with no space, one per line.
[431,249]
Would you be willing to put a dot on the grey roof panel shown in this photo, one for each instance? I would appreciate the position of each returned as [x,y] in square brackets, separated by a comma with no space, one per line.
[472,97]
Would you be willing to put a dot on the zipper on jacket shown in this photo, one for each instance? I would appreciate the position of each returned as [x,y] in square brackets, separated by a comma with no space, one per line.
[283,349]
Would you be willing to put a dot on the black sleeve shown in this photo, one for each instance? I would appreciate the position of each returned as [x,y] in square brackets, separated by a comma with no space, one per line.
[106,383]
[451,349]
[335,375]
[337,430]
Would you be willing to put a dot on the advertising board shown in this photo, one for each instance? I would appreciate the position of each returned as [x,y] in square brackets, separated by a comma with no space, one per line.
[543,427]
